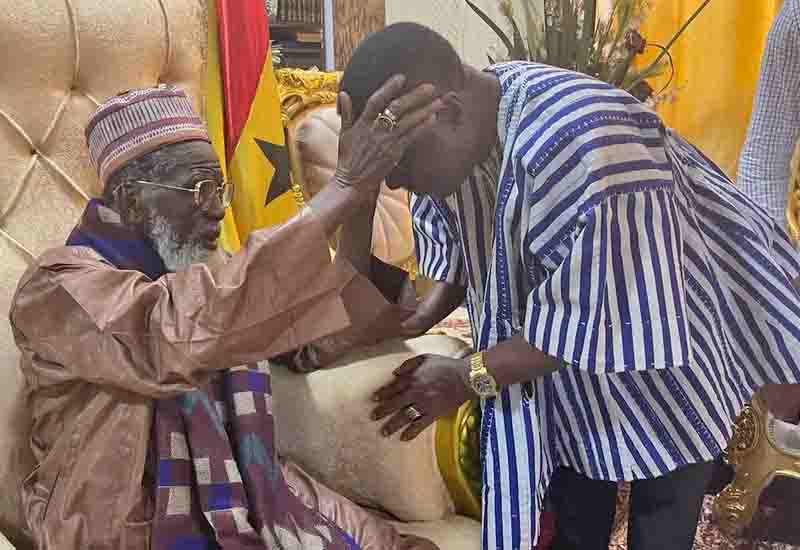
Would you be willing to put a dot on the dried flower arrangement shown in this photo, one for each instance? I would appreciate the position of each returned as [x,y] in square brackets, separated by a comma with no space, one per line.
[605,49]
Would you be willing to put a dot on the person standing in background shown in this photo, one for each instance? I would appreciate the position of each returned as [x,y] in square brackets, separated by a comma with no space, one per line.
[764,165]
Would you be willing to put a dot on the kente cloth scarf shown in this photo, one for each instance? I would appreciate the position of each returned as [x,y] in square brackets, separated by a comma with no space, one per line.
[218,483]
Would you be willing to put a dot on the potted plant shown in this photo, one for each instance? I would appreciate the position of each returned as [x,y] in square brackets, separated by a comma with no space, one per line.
[571,35]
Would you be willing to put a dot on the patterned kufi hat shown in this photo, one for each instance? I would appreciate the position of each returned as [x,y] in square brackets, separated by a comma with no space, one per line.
[137,122]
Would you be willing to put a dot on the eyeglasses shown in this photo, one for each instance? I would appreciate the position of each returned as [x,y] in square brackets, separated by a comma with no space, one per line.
[203,191]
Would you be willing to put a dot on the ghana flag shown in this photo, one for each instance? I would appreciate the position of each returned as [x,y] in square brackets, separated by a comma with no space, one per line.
[244,119]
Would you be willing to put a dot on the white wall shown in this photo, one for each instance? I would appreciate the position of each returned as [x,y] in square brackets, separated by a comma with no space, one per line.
[470,36]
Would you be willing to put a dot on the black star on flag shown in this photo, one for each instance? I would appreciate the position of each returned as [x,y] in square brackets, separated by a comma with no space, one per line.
[278,157]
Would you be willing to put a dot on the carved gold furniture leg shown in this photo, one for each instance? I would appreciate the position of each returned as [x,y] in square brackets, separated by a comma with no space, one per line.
[757,459]
[753,454]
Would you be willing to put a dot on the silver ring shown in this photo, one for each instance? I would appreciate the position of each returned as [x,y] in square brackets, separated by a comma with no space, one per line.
[413,413]
[388,120]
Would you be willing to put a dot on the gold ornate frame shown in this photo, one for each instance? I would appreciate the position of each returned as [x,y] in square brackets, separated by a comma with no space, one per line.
[753,456]
[757,462]
[301,89]
[298,91]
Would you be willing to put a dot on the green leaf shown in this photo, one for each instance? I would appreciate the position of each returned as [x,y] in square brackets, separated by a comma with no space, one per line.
[586,45]
[520,52]
[569,34]
[552,38]
[492,25]
[534,27]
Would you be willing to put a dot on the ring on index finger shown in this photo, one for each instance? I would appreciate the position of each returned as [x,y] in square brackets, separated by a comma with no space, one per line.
[387,120]
[412,413]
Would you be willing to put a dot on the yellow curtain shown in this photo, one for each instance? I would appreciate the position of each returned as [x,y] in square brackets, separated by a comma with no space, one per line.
[717,62]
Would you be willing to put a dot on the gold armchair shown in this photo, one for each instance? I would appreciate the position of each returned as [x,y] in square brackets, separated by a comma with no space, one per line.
[755,453]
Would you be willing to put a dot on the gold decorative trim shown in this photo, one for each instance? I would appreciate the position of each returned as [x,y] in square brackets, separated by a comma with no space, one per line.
[458,453]
[300,89]
[297,193]
[411,267]
[746,434]
[756,462]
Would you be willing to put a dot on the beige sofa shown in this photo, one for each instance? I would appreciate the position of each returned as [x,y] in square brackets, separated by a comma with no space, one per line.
[60,59]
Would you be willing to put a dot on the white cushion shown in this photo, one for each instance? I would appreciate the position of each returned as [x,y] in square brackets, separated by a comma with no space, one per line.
[323,423]
[451,533]
[4,544]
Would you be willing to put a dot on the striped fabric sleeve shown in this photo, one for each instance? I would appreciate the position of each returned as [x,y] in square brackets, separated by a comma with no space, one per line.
[612,299]
[439,255]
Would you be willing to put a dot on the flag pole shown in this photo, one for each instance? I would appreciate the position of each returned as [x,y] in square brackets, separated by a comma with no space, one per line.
[327,34]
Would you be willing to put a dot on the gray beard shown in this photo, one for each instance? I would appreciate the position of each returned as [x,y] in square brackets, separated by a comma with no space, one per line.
[174,254]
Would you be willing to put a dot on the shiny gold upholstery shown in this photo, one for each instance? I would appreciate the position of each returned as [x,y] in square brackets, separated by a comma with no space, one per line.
[754,456]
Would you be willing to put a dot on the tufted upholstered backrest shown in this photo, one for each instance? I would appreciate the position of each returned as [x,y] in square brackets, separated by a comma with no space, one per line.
[58,60]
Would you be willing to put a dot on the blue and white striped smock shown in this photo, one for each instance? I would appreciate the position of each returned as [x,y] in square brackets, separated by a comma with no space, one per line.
[615,246]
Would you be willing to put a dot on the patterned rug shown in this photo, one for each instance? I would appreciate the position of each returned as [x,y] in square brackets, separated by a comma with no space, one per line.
[708,536]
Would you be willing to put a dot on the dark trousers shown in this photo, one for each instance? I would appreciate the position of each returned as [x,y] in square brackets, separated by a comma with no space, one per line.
[663,512]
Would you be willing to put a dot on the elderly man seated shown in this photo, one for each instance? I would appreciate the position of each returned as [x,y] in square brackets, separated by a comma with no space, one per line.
[144,349]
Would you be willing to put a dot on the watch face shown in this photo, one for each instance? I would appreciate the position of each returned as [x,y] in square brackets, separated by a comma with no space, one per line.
[484,385]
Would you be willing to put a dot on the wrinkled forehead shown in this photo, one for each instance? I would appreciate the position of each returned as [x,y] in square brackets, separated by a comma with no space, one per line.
[187,160]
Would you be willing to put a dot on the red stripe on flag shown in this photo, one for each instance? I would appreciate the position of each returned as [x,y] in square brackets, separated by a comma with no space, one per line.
[243,47]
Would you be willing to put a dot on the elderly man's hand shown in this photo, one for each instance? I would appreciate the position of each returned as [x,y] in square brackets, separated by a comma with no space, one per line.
[425,388]
[371,146]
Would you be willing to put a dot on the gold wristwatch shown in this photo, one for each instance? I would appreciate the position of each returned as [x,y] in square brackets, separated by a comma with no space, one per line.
[480,380]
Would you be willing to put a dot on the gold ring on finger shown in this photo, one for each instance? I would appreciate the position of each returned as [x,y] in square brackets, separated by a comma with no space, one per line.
[388,120]
[413,413]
